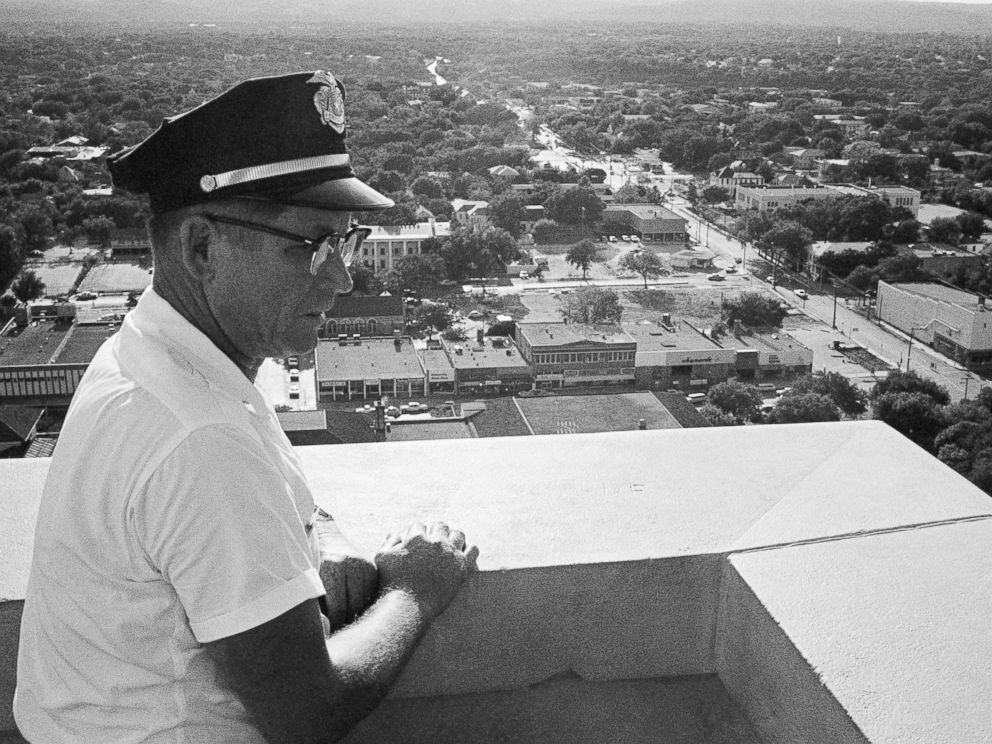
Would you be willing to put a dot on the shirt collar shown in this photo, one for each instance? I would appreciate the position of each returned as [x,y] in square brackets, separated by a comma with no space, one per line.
[155,320]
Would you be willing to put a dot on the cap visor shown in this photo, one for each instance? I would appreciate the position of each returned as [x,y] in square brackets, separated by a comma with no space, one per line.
[342,193]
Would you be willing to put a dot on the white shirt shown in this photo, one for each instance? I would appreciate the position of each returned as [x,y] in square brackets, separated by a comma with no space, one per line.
[174,514]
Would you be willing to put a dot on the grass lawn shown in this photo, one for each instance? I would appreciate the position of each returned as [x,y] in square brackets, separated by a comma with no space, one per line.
[577,414]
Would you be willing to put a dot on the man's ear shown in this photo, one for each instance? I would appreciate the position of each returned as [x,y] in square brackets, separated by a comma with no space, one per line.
[198,243]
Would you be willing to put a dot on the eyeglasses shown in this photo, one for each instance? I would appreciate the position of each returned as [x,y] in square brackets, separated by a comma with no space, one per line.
[325,245]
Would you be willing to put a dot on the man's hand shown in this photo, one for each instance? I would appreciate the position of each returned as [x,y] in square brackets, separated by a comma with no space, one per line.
[430,564]
[350,579]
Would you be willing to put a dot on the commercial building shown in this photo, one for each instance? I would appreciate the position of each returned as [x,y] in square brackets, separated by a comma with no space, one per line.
[650,221]
[956,323]
[367,369]
[677,355]
[367,316]
[894,196]
[387,244]
[487,365]
[573,355]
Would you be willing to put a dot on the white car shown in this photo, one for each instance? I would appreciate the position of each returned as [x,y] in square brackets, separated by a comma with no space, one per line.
[414,407]
[475,315]
[802,294]
[524,275]
[635,239]
[625,238]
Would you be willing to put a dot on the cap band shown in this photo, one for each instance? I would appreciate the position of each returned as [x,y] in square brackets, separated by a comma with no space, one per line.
[210,183]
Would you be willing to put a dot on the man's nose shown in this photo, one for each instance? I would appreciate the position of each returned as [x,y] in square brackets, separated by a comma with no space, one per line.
[334,276]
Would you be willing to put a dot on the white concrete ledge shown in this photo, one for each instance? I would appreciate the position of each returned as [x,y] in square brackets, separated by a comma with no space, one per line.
[670,554]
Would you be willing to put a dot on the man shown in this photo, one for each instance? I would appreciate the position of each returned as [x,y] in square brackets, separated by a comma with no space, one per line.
[174,592]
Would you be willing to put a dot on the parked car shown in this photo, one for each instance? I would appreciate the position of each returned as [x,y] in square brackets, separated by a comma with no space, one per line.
[524,275]
[802,294]
[717,277]
[625,238]
[392,411]
[84,296]
[475,315]
[731,269]
[613,238]
[415,407]
[635,239]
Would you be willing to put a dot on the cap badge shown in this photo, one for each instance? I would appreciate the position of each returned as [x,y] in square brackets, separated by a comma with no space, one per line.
[328,101]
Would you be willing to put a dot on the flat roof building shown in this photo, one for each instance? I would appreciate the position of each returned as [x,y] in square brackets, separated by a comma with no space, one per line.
[490,364]
[368,368]
[650,221]
[573,355]
[955,322]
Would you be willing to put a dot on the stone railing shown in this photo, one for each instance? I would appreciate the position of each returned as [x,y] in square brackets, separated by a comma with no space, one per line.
[819,582]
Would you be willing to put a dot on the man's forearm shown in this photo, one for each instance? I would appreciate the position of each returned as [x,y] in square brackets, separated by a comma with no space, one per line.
[368,655]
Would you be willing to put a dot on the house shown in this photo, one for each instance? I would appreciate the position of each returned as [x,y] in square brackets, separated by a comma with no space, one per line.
[731,179]
[470,213]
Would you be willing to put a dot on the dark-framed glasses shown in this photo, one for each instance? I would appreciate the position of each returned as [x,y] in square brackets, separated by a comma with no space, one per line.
[323,246]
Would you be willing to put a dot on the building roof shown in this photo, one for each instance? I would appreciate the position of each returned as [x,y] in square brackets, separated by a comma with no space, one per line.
[493,352]
[419,231]
[563,334]
[678,335]
[365,306]
[371,359]
[35,343]
[83,342]
[825,246]
[777,341]
[429,430]
[17,422]
[942,292]
[645,211]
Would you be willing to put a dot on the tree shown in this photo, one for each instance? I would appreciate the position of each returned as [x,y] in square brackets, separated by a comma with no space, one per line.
[798,408]
[715,194]
[717,417]
[478,251]
[972,225]
[863,278]
[581,255]
[418,272]
[643,262]
[544,231]
[787,240]
[433,316]
[427,187]
[738,399]
[591,305]
[27,287]
[98,230]
[841,391]
[910,382]
[945,230]
[914,415]
[903,268]
[36,228]
[754,309]
[11,257]
[506,212]
[364,280]
[574,206]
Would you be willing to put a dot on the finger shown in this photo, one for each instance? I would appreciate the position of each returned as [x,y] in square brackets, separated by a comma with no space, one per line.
[417,528]
[457,538]
[471,557]
[439,531]
[392,540]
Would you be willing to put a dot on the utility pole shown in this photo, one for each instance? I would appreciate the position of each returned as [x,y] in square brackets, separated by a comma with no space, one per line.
[833,323]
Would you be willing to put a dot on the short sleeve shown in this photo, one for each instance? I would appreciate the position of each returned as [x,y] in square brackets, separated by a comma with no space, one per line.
[220,524]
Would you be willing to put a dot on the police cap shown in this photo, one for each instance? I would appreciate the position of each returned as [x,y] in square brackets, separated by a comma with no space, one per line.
[280,138]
